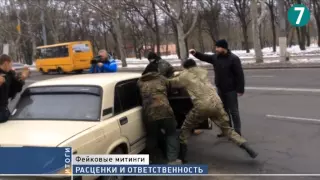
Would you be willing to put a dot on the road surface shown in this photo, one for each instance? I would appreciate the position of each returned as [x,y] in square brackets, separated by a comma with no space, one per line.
[280,118]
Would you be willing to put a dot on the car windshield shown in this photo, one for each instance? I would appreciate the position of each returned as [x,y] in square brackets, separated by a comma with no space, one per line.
[59,103]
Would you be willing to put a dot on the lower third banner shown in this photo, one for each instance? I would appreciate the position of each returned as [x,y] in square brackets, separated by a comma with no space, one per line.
[35,160]
[135,170]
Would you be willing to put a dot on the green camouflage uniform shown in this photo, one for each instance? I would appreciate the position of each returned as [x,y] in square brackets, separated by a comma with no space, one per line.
[158,114]
[206,102]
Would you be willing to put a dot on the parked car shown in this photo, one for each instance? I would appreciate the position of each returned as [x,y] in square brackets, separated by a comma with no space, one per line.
[92,113]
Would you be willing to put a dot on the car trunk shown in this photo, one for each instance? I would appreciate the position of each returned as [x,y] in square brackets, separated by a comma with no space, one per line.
[181,104]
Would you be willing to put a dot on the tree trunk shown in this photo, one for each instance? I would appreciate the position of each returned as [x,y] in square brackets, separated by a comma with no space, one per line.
[120,42]
[302,38]
[273,27]
[200,39]
[245,37]
[158,42]
[308,36]
[318,28]
[181,40]
[175,32]
[256,32]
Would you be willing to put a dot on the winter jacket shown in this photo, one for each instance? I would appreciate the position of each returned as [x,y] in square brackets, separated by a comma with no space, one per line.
[195,80]
[153,89]
[108,66]
[10,88]
[229,74]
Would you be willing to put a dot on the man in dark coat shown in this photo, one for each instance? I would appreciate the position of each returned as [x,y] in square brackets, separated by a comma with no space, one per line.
[10,84]
[158,114]
[229,79]
[164,67]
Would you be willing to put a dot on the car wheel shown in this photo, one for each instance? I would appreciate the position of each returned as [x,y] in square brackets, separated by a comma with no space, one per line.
[118,150]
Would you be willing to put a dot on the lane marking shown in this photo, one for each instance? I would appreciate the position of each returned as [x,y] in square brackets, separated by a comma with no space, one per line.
[30,81]
[260,76]
[252,76]
[293,118]
[283,89]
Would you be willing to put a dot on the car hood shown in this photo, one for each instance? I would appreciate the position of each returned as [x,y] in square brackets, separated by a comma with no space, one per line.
[40,133]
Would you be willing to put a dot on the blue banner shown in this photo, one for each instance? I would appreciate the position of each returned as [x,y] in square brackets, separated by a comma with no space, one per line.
[35,160]
[138,170]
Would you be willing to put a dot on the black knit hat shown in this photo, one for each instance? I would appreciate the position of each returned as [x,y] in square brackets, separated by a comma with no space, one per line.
[153,56]
[151,67]
[189,63]
[222,43]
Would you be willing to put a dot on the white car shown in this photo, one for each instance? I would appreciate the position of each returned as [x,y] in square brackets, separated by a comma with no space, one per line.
[92,113]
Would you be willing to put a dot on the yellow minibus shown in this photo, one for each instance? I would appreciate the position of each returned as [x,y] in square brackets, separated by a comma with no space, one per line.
[64,57]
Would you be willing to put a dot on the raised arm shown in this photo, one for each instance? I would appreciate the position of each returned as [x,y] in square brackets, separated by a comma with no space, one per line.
[175,81]
[202,57]
[238,74]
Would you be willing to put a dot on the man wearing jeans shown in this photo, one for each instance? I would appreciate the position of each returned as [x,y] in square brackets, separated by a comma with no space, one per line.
[229,79]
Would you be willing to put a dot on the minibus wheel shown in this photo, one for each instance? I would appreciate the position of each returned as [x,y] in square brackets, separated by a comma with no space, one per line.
[79,71]
[60,70]
[42,71]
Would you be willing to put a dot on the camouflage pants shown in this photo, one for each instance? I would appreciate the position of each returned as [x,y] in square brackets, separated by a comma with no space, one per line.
[218,115]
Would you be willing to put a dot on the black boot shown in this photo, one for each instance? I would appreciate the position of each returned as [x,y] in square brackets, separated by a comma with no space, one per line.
[183,153]
[250,151]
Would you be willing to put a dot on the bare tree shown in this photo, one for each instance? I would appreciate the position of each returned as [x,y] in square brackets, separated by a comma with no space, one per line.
[175,12]
[316,12]
[210,15]
[257,20]
[112,9]
[243,13]
[271,6]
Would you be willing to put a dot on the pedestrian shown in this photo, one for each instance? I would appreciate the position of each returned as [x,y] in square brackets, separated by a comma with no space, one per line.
[166,70]
[103,64]
[206,104]
[158,115]
[11,83]
[229,79]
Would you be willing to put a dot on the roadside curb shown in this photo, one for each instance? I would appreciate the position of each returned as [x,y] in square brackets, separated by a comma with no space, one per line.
[245,66]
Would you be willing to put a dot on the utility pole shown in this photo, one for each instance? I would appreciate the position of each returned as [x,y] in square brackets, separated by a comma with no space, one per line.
[282,34]
[44,33]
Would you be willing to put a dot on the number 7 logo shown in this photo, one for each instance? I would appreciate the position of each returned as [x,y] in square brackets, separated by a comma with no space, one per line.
[301,11]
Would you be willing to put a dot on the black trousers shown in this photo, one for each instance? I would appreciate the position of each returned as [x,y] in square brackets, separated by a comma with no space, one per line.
[4,114]
[230,104]
[155,137]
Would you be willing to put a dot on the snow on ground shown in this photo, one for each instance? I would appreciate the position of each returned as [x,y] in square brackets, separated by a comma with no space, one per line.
[247,58]
[267,52]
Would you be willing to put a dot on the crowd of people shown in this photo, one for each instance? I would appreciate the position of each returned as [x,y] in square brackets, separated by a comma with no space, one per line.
[220,105]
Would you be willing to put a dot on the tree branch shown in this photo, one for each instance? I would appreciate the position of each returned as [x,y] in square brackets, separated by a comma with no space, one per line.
[158,3]
[99,9]
[193,25]
[264,11]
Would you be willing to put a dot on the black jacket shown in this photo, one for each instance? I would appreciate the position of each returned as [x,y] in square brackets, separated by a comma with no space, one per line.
[229,74]
[10,88]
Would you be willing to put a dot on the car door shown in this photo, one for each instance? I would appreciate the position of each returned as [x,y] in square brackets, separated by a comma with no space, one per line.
[181,104]
[128,109]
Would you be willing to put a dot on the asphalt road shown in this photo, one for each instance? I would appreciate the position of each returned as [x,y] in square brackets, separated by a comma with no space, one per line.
[280,118]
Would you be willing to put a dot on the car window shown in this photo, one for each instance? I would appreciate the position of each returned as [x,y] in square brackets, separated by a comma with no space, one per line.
[66,104]
[126,96]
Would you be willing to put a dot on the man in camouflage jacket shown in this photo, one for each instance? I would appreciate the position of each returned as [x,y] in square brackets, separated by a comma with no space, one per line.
[158,114]
[206,104]
[166,70]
